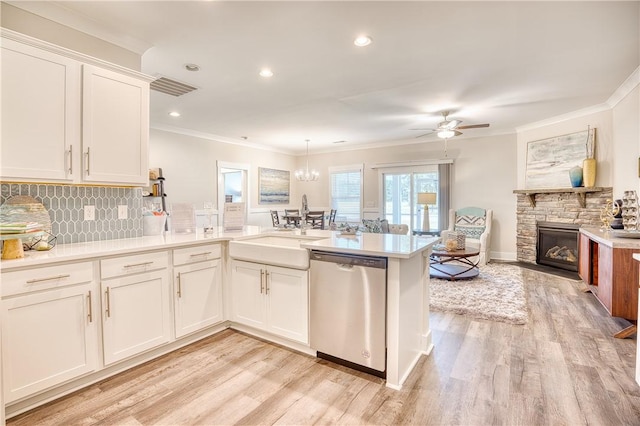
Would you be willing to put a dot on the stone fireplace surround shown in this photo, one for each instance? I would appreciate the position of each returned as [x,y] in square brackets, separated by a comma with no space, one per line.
[554,207]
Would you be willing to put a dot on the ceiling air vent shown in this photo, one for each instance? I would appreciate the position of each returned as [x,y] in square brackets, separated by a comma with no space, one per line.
[171,87]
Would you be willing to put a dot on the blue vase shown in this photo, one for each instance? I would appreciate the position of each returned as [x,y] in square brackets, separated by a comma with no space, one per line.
[575,175]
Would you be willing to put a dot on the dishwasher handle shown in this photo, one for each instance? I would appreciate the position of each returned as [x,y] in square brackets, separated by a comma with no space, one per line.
[345,259]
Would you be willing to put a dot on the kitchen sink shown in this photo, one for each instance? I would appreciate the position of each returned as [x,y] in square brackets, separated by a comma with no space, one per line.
[272,250]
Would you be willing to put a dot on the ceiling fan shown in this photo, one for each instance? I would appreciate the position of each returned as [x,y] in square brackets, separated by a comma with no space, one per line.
[449,128]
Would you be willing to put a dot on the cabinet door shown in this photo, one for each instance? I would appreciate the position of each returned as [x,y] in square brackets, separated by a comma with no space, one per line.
[48,337]
[198,296]
[585,257]
[604,291]
[248,293]
[288,304]
[135,314]
[40,114]
[115,132]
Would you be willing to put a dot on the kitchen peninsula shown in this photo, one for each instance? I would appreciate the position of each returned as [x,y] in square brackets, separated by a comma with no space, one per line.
[176,289]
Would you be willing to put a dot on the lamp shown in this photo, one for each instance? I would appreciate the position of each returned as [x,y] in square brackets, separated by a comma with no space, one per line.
[306,175]
[426,198]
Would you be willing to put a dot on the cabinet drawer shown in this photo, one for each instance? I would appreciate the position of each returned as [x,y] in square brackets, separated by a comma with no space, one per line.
[196,254]
[38,279]
[138,263]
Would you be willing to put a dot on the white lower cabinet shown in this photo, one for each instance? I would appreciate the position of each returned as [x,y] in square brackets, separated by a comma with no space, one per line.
[271,298]
[135,307]
[49,328]
[197,288]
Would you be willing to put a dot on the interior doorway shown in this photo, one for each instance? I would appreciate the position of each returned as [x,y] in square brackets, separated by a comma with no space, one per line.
[232,186]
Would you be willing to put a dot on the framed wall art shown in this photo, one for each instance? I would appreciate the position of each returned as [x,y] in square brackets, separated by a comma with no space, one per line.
[273,186]
[549,160]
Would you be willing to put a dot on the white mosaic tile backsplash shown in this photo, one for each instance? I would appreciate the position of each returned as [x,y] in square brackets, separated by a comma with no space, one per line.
[65,204]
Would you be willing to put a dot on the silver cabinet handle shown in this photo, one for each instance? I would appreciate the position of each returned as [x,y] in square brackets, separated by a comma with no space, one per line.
[57,277]
[70,159]
[90,307]
[206,253]
[133,265]
[266,282]
[108,303]
[88,158]
[179,286]
[261,280]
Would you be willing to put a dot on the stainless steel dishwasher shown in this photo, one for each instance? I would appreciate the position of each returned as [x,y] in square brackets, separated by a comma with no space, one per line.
[348,309]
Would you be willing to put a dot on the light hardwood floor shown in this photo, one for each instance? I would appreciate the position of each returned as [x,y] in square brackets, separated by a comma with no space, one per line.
[562,368]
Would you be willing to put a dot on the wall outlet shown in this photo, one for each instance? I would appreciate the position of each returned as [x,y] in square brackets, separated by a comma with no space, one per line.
[89,212]
[123,212]
[207,205]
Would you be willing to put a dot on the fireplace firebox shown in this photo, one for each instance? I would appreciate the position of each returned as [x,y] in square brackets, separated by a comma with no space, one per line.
[557,245]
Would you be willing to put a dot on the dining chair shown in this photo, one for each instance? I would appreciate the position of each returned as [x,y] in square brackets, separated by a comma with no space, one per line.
[315,219]
[332,216]
[292,212]
[275,220]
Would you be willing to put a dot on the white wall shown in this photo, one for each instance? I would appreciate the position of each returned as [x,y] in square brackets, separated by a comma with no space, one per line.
[626,134]
[189,166]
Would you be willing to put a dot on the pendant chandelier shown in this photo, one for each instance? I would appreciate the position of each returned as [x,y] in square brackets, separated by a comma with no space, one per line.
[306,175]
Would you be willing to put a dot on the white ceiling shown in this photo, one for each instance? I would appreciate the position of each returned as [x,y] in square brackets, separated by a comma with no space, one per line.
[504,63]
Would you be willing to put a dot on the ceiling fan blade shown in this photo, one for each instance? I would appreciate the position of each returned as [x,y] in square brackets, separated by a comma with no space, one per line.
[433,130]
[450,124]
[473,126]
[424,134]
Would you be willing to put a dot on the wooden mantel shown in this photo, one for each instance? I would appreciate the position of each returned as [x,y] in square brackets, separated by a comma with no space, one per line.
[580,192]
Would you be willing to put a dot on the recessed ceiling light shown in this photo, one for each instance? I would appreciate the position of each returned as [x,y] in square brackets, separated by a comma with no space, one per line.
[174,114]
[362,41]
[266,72]
[192,67]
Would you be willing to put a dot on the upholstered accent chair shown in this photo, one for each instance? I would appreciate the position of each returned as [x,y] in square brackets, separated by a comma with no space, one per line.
[475,224]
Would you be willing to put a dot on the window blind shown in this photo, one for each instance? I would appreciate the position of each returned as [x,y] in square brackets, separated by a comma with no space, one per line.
[346,195]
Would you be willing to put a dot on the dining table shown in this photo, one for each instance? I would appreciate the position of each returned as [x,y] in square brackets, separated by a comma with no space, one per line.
[293,218]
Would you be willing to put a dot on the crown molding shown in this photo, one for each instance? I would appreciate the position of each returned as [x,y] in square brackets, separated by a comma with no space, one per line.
[8,34]
[625,88]
[216,138]
[56,12]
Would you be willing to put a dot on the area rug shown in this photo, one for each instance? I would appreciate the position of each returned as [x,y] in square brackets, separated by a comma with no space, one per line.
[497,294]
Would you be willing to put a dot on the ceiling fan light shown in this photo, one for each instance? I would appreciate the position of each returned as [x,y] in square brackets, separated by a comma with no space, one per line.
[446,134]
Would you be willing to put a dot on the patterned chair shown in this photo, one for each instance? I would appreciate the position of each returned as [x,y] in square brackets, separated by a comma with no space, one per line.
[475,224]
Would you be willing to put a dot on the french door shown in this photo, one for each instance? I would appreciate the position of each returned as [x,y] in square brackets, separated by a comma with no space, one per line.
[400,188]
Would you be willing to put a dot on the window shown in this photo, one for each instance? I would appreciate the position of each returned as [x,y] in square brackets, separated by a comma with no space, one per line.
[346,192]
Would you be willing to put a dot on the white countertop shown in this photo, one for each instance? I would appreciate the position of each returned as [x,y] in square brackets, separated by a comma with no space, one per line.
[88,250]
[606,238]
[388,245]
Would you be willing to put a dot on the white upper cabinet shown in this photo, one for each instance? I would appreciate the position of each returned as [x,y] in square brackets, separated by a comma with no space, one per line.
[40,113]
[115,127]
[70,118]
